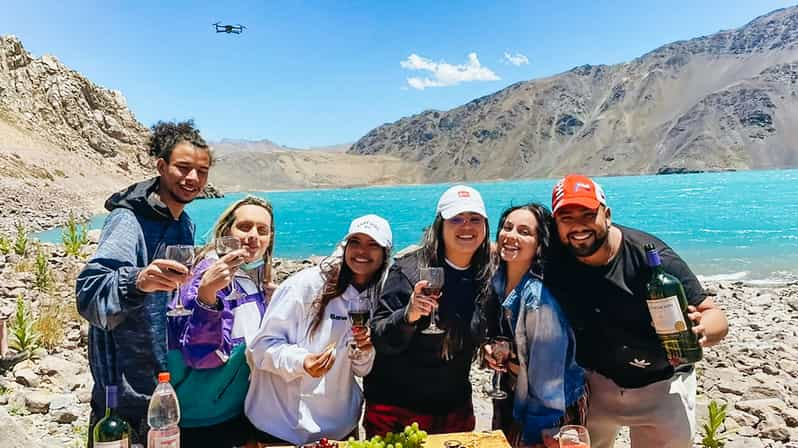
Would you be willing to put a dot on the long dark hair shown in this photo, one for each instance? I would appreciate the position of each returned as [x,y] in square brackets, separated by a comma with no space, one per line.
[543,233]
[433,253]
[337,277]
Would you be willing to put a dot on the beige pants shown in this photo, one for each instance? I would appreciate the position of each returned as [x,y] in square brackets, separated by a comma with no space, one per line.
[660,415]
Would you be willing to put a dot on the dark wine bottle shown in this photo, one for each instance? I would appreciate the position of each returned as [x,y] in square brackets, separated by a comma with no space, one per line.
[112,431]
[668,307]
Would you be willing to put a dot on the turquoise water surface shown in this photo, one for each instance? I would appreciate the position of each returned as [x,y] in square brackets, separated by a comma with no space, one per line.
[731,225]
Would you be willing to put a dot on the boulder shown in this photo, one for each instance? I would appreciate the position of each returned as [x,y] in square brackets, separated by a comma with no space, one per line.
[12,435]
[27,377]
[53,365]
[38,402]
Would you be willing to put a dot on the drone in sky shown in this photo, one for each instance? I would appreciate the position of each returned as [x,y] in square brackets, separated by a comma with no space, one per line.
[229,29]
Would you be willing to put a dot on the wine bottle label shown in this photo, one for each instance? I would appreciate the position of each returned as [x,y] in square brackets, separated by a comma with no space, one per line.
[666,315]
[114,444]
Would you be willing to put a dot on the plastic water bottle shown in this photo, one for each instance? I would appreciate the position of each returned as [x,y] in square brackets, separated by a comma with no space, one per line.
[163,416]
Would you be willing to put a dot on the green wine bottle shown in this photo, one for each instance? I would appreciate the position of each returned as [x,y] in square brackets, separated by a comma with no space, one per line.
[112,431]
[668,307]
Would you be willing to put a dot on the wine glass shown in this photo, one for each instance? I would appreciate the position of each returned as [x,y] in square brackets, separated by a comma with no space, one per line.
[225,245]
[183,254]
[434,276]
[574,436]
[500,352]
[359,309]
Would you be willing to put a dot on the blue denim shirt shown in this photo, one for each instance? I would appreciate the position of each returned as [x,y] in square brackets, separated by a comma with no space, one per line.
[549,380]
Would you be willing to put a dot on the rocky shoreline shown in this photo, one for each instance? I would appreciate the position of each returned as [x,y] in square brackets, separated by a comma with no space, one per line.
[44,401]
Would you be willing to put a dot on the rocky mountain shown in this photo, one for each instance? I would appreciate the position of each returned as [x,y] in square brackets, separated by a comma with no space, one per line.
[59,105]
[227,146]
[284,169]
[723,101]
[65,143]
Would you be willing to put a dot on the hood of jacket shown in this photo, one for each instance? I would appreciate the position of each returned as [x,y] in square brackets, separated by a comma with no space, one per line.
[142,199]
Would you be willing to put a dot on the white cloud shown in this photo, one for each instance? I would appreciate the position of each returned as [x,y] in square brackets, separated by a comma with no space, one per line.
[443,74]
[517,60]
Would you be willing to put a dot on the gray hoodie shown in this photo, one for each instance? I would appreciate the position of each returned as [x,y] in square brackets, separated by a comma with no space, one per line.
[127,336]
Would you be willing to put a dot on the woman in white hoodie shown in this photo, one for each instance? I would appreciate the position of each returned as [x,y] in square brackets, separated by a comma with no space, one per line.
[303,384]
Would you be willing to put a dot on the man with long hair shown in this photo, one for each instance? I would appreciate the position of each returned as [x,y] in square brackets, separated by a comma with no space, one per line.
[124,289]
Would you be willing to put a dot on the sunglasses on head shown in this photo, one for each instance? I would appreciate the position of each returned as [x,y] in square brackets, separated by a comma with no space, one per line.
[460,220]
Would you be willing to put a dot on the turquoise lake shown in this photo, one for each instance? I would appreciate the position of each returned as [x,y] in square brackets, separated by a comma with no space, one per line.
[730,225]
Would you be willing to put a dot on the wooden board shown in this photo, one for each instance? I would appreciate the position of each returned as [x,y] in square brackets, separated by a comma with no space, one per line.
[487,439]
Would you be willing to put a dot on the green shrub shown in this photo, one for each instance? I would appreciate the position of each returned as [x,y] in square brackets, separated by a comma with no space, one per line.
[21,242]
[74,237]
[5,245]
[23,336]
[42,278]
[713,436]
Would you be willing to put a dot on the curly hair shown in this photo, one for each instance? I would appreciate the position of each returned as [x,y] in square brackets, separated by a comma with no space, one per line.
[168,134]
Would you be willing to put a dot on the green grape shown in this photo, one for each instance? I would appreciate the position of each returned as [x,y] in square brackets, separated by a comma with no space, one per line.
[423,434]
[415,426]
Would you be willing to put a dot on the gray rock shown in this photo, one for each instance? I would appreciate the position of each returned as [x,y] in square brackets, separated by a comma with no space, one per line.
[761,407]
[94,235]
[742,418]
[745,442]
[27,377]
[12,435]
[84,396]
[63,401]
[53,365]
[789,366]
[38,402]
[64,416]
[790,417]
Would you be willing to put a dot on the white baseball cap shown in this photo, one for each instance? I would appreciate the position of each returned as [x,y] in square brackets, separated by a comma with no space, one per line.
[374,226]
[460,199]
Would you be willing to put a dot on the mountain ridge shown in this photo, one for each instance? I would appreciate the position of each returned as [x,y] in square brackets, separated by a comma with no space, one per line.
[655,113]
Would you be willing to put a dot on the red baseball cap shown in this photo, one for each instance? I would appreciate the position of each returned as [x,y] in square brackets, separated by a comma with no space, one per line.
[579,190]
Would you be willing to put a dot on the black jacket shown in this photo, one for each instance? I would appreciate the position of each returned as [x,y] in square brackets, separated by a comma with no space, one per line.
[411,369]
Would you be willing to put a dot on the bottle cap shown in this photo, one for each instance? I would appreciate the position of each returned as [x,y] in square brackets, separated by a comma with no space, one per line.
[164,377]
[652,256]
[110,396]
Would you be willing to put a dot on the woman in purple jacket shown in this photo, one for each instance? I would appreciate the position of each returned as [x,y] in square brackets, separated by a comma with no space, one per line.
[228,296]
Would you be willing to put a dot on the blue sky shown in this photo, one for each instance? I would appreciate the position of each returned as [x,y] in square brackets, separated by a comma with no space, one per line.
[316,73]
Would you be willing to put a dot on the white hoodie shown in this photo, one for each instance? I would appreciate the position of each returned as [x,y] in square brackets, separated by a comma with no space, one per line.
[283,399]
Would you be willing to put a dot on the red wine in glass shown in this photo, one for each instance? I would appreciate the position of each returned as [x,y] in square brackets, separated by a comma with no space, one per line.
[360,318]
[431,291]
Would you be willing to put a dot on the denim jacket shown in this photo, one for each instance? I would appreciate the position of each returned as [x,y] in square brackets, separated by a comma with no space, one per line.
[549,379]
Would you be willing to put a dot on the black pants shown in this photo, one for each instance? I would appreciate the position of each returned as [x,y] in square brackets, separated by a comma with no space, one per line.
[234,432]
